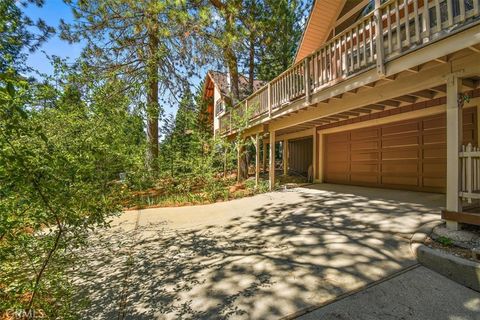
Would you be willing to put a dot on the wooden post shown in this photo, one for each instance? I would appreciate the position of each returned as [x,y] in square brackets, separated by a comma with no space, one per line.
[269,99]
[264,157]
[454,142]
[230,121]
[379,39]
[319,159]
[271,170]
[314,153]
[307,80]
[257,159]
[468,171]
[225,162]
[285,157]
[238,162]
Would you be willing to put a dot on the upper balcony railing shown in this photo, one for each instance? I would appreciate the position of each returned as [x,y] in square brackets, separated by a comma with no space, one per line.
[389,31]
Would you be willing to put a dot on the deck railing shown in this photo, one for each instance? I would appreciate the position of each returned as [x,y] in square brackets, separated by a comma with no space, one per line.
[389,31]
[470,173]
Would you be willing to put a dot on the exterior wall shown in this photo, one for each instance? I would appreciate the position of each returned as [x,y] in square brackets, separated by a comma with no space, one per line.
[216,118]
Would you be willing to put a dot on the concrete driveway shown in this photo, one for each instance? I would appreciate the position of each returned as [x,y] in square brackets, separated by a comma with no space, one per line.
[263,257]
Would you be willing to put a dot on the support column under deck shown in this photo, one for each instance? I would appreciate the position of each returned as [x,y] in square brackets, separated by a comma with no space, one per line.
[238,163]
[257,159]
[454,142]
[271,170]
[314,153]
[285,157]
[264,158]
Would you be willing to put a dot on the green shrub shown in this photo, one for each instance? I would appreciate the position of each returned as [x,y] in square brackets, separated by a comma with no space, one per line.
[445,241]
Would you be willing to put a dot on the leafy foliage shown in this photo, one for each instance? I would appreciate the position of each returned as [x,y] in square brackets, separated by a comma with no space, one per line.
[18,32]
[59,163]
[282,28]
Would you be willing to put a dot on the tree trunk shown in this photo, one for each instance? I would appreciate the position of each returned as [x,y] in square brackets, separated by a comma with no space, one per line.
[242,173]
[251,63]
[153,107]
[231,59]
[232,64]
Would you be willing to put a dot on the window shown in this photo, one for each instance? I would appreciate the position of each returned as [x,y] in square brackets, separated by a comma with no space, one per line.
[219,106]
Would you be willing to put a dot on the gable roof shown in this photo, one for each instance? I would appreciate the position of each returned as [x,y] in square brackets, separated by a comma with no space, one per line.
[322,16]
[220,79]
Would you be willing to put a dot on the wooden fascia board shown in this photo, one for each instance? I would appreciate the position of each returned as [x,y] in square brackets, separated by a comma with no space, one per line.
[304,31]
[415,82]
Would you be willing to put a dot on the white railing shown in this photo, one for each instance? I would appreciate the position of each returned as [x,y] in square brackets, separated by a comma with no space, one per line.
[470,173]
[391,30]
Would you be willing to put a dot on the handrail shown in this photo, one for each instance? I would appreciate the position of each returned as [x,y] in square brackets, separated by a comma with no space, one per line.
[301,62]
[386,32]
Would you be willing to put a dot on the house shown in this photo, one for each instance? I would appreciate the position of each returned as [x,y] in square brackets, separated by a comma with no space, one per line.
[217,94]
[388,92]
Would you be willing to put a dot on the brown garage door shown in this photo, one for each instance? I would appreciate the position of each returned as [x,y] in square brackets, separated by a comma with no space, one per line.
[402,155]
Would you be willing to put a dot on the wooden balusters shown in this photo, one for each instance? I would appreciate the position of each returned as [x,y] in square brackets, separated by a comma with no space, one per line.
[426,19]
[470,173]
[449,12]
[416,19]
[307,80]
[379,37]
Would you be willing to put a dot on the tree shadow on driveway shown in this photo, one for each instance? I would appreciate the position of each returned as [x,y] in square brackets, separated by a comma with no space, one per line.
[280,258]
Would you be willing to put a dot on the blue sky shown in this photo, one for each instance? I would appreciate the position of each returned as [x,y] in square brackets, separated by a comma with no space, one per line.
[52,12]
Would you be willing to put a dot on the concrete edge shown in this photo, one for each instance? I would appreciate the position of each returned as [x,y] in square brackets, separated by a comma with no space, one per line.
[462,271]
[423,232]
[347,294]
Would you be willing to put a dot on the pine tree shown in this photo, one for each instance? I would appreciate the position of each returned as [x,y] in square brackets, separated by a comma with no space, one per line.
[144,42]
[281,29]
[19,33]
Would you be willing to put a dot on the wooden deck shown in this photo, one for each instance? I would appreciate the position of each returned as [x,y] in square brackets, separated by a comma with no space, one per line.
[373,49]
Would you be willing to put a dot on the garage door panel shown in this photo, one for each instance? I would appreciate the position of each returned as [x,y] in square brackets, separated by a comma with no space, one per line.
[338,137]
[433,169]
[400,180]
[435,123]
[338,166]
[400,141]
[365,156]
[364,168]
[365,145]
[431,138]
[338,156]
[339,147]
[401,128]
[407,155]
[400,167]
[364,178]
[400,153]
[435,153]
[365,134]
[337,177]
